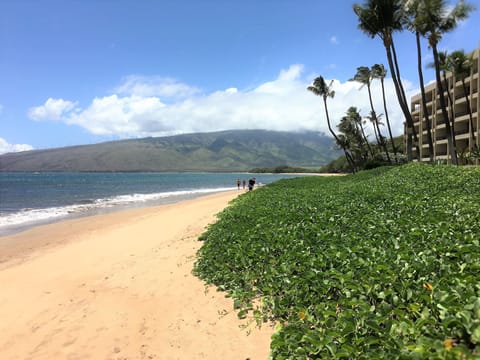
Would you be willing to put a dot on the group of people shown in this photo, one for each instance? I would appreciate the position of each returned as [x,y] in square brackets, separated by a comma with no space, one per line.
[251,183]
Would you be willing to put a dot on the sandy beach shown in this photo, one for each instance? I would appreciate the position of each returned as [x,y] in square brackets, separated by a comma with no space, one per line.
[119,286]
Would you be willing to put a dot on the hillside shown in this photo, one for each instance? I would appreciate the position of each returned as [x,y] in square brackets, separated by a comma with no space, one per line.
[235,150]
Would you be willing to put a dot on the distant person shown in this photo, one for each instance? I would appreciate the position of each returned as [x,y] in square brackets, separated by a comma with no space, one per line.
[238,184]
[251,184]
[244,183]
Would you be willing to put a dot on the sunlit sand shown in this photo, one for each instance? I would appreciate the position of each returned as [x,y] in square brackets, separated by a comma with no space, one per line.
[119,286]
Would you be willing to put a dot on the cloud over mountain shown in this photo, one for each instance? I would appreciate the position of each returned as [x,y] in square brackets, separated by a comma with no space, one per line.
[5,147]
[156,106]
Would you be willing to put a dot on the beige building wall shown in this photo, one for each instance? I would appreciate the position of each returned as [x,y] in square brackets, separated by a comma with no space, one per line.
[462,128]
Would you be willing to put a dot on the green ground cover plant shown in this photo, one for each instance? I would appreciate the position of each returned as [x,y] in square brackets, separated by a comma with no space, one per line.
[383,264]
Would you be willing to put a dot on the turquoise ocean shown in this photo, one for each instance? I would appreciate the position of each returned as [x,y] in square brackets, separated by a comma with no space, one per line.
[31,199]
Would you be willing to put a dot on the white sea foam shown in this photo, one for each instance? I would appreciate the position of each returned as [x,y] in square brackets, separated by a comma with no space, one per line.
[33,216]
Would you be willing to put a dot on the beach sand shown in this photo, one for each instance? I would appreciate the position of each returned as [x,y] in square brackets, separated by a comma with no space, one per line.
[119,286]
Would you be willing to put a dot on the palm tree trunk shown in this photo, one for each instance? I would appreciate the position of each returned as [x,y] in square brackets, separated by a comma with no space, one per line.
[450,136]
[375,123]
[403,106]
[402,90]
[409,144]
[366,140]
[383,144]
[450,107]
[473,145]
[347,155]
[397,69]
[424,98]
[363,142]
[388,120]
[375,131]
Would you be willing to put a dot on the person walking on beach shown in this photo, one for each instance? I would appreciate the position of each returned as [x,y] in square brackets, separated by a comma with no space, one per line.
[251,184]
[244,183]
[238,184]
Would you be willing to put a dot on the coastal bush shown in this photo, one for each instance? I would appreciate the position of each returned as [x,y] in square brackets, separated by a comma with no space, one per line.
[383,264]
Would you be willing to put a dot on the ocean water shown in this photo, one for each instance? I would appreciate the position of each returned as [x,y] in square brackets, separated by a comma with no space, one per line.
[30,199]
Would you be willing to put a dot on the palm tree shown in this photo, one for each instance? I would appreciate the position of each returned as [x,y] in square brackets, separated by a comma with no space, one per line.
[424,97]
[364,76]
[379,72]
[442,59]
[376,122]
[381,18]
[461,65]
[411,8]
[433,19]
[352,136]
[320,88]
[354,116]
[343,142]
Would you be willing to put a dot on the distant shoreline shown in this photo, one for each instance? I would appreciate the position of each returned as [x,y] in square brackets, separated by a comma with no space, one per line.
[305,174]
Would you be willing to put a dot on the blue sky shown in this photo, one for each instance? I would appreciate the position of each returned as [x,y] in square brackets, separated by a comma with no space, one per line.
[85,71]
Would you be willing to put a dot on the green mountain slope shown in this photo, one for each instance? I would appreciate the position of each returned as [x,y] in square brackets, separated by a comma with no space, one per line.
[235,150]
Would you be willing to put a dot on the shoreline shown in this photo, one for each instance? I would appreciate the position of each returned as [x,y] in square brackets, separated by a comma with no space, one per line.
[29,199]
[80,210]
[119,285]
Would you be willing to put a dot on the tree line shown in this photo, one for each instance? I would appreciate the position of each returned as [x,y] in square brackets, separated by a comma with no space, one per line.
[426,19]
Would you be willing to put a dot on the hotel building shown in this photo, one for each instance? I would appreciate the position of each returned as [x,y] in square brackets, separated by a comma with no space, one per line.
[441,151]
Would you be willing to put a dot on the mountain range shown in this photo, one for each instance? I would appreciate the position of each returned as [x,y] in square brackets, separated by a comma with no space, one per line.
[232,150]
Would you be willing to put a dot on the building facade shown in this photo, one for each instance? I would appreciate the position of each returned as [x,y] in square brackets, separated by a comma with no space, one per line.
[465,135]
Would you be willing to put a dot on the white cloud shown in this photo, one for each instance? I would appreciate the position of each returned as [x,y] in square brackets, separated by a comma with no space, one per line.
[334,40]
[5,147]
[130,115]
[146,107]
[53,109]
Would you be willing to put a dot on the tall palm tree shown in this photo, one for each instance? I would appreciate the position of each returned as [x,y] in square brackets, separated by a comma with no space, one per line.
[320,88]
[379,72]
[411,8]
[461,66]
[435,18]
[364,76]
[424,97]
[442,59]
[381,18]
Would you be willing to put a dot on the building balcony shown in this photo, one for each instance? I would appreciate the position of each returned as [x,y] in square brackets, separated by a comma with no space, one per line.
[462,116]
[460,98]
[462,135]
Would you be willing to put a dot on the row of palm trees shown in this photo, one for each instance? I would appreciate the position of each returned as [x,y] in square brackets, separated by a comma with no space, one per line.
[351,137]
[428,19]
